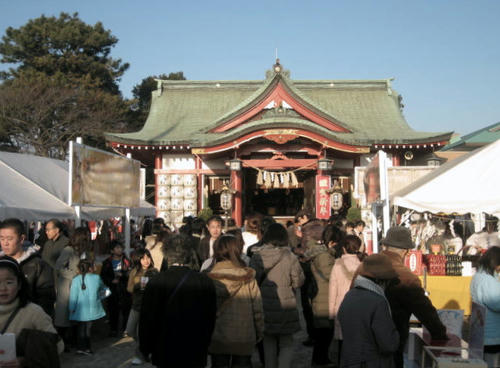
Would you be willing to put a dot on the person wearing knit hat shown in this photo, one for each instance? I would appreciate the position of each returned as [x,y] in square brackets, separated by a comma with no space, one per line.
[369,333]
[408,297]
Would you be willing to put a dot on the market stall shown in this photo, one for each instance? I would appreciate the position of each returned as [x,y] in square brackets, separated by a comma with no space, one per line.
[466,185]
[449,292]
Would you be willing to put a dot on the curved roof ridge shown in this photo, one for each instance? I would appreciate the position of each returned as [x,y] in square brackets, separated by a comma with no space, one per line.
[259,93]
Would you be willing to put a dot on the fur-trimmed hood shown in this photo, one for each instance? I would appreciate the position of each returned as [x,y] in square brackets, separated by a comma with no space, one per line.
[231,276]
[29,251]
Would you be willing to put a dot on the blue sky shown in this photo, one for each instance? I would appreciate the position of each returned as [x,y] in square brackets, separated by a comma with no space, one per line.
[444,55]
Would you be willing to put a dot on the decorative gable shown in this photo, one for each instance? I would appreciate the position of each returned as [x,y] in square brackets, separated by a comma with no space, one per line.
[278,94]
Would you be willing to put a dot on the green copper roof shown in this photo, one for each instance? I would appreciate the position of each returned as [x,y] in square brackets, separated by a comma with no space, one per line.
[182,112]
[476,139]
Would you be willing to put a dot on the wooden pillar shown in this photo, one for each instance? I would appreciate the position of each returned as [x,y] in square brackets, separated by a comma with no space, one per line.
[158,166]
[396,159]
[237,212]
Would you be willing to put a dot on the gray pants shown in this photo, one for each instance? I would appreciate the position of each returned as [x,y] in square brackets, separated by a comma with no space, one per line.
[133,330]
[271,344]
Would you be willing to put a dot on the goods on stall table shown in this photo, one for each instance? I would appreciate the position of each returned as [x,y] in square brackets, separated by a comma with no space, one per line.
[413,261]
[436,264]
[453,265]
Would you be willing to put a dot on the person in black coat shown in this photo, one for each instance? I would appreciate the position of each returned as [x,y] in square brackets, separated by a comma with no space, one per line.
[408,296]
[178,312]
[370,336]
[114,273]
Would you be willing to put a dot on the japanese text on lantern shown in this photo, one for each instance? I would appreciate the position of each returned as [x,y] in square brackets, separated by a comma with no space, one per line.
[322,197]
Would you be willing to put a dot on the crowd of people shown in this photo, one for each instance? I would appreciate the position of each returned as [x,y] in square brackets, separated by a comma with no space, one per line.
[202,292]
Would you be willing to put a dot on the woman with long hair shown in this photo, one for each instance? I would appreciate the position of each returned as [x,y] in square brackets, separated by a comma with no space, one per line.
[67,269]
[143,269]
[252,233]
[341,278]
[154,242]
[485,290]
[240,322]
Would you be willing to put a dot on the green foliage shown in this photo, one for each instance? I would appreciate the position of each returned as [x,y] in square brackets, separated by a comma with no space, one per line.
[63,46]
[142,97]
[42,114]
[205,213]
[353,214]
[63,84]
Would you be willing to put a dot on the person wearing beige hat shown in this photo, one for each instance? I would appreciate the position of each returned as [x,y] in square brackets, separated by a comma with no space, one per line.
[370,335]
[408,297]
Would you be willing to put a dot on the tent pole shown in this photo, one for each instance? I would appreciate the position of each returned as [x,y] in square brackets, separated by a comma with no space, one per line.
[126,224]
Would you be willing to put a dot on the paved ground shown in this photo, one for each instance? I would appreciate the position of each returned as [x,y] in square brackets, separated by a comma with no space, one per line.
[118,353]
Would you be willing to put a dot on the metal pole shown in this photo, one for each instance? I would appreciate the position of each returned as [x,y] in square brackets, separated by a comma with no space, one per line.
[374,228]
[384,191]
[78,209]
[126,224]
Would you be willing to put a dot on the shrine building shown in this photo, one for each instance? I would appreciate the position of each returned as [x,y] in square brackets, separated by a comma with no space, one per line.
[267,140]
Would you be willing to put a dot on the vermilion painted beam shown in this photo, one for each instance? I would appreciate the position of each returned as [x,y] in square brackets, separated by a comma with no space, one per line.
[247,150]
[280,164]
[315,137]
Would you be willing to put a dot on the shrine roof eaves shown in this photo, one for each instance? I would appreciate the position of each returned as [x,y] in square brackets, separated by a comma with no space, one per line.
[183,111]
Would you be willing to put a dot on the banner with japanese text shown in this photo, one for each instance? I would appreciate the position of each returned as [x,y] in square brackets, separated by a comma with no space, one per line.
[323,205]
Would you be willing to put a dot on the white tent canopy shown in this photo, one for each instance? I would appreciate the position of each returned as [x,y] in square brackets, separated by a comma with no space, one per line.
[36,188]
[468,184]
[28,189]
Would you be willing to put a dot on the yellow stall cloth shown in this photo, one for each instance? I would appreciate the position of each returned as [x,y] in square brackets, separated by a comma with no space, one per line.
[449,292]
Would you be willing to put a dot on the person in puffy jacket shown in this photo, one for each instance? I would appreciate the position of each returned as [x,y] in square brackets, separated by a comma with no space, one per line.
[278,272]
[37,272]
[341,278]
[85,305]
[485,290]
[370,335]
[240,319]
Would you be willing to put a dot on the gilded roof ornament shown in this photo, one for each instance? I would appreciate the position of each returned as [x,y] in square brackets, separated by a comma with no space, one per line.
[277,69]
